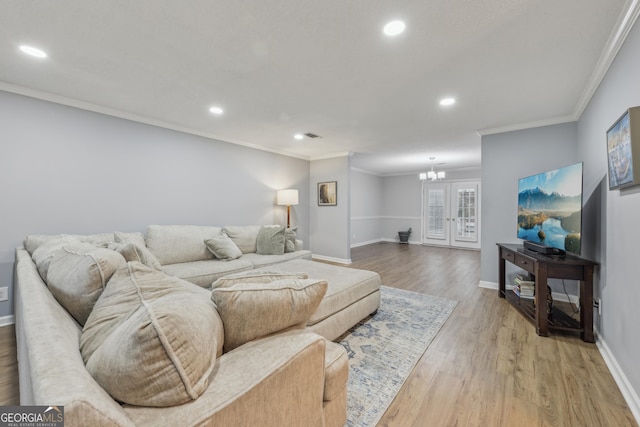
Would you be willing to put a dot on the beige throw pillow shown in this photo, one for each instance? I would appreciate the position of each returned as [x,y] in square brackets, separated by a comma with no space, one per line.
[151,338]
[222,247]
[270,240]
[78,275]
[143,254]
[244,236]
[43,255]
[255,276]
[250,311]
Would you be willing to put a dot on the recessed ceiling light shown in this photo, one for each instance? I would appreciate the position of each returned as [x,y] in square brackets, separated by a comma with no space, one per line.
[447,101]
[298,136]
[216,110]
[30,50]
[394,28]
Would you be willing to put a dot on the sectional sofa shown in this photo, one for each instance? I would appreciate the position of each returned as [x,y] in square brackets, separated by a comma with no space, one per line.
[164,330]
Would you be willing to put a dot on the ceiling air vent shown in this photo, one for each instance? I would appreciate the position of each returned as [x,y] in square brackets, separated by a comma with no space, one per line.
[312,135]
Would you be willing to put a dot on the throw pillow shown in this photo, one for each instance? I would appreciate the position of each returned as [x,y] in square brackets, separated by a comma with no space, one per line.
[290,239]
[255,276]
[137,239]
[151,338]
[222,247]
[270,240]
[250,311]
[78,275]
[44,253]
[244,236]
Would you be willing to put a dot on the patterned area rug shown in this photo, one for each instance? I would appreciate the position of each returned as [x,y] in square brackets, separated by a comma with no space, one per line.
[384,348]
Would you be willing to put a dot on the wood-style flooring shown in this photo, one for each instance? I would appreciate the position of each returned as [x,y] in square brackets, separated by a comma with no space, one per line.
[486,367]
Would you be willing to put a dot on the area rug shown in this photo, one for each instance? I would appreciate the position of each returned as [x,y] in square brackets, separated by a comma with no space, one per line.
[384,348]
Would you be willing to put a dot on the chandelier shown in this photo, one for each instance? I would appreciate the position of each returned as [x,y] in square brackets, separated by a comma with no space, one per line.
[432,175]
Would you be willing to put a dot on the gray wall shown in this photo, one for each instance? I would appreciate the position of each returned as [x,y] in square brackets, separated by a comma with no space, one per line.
[401,206]
[506,157]
[65,170]
[330,225]
[366,207]
[615,233]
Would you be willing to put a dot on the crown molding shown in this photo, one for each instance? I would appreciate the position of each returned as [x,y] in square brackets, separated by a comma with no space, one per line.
[617,38]
[330,156]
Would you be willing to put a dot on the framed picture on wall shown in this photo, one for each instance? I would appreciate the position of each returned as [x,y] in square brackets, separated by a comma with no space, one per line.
[328,193]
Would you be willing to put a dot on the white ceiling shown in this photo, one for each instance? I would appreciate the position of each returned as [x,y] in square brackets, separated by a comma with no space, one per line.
[279,67]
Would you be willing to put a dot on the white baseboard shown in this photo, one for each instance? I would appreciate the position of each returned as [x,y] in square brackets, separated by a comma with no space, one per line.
[331,259]
[7,320]
[629,394]
[488,285]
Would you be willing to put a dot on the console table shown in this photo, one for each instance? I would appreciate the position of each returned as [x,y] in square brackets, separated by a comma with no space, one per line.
[544,267]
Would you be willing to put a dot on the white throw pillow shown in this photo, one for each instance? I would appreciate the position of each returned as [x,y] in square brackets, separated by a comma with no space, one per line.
[223,247]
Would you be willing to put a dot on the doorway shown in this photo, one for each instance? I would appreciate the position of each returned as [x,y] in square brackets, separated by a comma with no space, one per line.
[450,214]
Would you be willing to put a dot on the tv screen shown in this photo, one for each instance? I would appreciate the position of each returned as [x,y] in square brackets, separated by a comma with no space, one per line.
[550,208]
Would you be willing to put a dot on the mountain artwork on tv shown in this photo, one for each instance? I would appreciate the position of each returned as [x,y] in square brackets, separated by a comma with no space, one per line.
[550,208]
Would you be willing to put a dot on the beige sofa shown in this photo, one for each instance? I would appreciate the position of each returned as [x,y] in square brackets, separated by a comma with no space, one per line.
[295,377]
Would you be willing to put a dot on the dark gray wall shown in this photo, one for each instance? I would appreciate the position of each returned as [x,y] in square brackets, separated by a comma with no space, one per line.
[65,170]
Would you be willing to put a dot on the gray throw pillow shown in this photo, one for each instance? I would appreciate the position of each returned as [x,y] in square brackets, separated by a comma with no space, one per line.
[290,239]
[270,240]
[222,247]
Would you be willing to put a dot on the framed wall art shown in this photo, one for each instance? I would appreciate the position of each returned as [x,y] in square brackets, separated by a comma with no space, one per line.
[328,193]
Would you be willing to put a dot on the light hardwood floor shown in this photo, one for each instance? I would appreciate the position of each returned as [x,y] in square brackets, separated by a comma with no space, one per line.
[486,367]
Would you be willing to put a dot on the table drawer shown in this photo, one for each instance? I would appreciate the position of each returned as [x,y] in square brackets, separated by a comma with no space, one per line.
[524,262]
[509,256]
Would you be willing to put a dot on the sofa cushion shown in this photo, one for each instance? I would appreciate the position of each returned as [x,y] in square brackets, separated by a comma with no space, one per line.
[132,252]
[151,338]
[261,261]
[204,273]
[244,236]
[346,285]
[254,310]
[222,247]
[270,240]
[256,276]
[290,239]
[336,370]
[44,252]
[137,239]
[78,274]
[172,244]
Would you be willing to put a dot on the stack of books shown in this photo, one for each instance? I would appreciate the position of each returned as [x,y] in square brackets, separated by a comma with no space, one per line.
[524,287]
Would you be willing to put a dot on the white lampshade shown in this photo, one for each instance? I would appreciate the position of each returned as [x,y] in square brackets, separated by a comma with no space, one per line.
[423,176]
[441,175]
[431,175]
[287,197]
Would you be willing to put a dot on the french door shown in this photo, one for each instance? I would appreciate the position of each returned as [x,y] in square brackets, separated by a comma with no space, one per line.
[451,214]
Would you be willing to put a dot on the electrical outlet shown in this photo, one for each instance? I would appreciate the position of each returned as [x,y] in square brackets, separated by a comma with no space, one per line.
[4,293]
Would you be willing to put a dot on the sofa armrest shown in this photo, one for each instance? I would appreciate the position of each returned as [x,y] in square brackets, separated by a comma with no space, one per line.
[299,245]
[278,380]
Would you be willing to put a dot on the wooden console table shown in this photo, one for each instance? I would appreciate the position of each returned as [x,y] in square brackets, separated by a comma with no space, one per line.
[544,267]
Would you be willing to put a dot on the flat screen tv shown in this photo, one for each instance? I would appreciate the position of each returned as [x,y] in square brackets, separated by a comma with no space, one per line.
[550,210]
